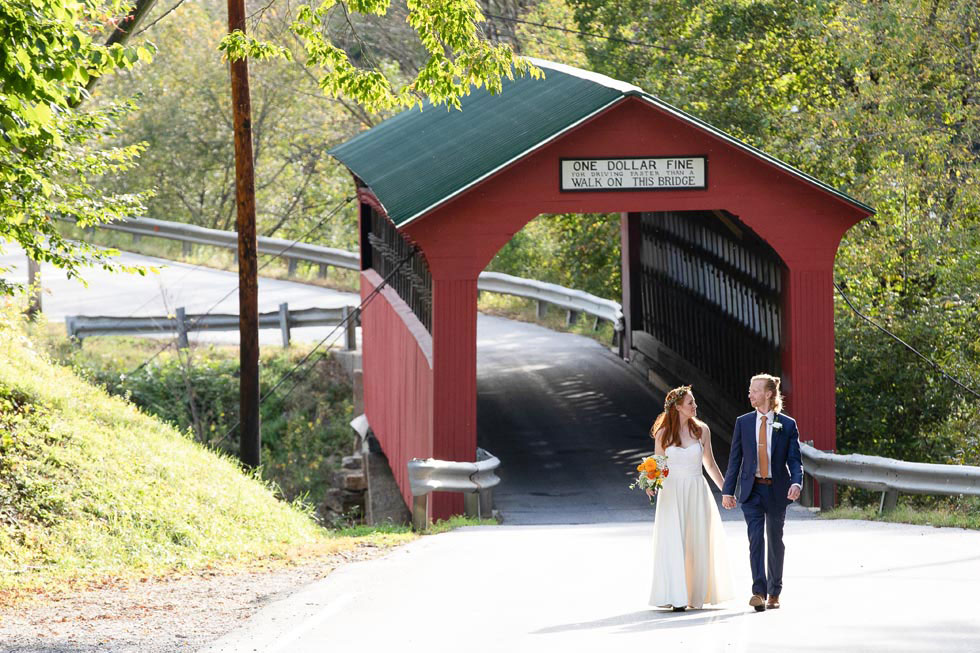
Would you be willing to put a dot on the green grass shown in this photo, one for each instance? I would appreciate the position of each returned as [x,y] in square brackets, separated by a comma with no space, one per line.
[525,310]
[93,488]
[457,521]
[94,491]
[956,513]
[439,526]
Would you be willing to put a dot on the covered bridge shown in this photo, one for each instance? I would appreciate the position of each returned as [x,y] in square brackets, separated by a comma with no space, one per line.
[728,253]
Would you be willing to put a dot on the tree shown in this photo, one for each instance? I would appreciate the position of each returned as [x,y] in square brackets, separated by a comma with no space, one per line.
[883,101]
[184,118]
[458,56]
[51,153]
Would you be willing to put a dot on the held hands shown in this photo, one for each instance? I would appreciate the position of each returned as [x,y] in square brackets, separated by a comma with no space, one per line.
[794,492]
[650,493]
[727,502]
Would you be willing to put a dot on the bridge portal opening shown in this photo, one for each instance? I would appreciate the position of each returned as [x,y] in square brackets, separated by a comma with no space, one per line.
[702,298]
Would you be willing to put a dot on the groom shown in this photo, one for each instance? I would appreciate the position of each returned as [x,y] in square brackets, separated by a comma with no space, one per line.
[765,461]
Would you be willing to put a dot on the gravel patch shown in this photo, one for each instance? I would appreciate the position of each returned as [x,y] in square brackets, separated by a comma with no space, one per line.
[158,615]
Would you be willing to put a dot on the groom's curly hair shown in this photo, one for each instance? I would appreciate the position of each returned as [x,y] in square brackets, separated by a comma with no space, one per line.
[670,419]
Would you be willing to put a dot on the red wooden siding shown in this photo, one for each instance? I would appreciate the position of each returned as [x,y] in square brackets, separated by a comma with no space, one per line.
[397,364]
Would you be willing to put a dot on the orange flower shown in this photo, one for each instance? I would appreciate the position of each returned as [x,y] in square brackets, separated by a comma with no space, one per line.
[651,475]
[648,465]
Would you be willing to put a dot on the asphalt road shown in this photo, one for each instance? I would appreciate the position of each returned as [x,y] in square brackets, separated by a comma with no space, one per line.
[198,289]
[848,586]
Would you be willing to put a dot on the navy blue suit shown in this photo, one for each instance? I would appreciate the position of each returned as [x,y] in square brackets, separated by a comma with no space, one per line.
[764,506]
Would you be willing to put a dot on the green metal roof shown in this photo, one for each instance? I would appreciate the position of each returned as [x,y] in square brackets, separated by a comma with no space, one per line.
[419,159]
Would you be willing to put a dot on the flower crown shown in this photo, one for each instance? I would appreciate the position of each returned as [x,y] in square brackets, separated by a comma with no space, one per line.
[677,397]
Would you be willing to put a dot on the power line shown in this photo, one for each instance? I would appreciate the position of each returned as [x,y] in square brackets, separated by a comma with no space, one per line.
[343,323]
[614,39]
[932,363]
[336,209]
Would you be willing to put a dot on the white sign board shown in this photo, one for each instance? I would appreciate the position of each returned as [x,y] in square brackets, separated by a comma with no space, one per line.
[634,173]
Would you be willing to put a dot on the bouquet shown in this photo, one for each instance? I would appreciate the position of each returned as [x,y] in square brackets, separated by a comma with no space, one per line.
[652,472]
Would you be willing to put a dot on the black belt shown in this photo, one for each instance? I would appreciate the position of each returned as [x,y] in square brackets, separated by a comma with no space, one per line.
[763,481]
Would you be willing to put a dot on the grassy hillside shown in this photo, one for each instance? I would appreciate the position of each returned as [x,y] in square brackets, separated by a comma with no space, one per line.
[91,487]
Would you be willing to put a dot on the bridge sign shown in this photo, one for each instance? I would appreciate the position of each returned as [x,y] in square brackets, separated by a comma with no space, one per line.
[634,173]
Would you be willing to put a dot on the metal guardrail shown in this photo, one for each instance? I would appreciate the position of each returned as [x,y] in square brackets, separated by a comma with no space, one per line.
[192,234]
[573,301]
[84,326]
[474,479]
[889,476]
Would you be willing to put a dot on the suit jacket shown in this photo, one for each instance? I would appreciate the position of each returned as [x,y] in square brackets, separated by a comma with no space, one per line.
[785,461]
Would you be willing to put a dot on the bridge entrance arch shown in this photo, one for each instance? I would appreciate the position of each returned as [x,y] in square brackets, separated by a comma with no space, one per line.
[750,240]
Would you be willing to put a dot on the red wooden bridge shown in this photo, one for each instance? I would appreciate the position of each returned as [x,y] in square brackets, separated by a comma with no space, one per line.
[728,253]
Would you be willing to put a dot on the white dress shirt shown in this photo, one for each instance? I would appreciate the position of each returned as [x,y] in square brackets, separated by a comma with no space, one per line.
[770,417]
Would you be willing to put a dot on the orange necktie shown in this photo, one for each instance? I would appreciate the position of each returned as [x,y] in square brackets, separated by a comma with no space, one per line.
[763,450]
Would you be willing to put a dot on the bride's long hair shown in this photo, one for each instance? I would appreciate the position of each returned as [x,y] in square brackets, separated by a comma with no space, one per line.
[670,419]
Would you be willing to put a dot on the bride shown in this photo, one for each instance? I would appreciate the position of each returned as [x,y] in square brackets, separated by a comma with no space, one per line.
[690,558]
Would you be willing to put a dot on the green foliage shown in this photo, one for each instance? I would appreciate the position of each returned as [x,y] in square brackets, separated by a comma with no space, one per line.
[50,152]
[458,57]
[189,162]
[547,245]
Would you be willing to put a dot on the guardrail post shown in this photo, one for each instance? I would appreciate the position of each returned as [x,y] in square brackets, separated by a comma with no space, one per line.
[322,271]
[291,266]
[284,323]
[806,493]
[486,502]
[137,237]
[181,329]
[542,309]
[889,501]
[420,513]
[571,317]
[72,330]
[34,287]
[595,325]
[827,495]
[479,503]
[471,504]
[187,248]
[350,322]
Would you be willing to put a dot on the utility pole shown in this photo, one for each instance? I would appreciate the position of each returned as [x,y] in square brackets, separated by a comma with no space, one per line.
[248,284]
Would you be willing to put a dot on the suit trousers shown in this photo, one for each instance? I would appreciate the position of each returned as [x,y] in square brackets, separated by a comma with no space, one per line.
[765,514]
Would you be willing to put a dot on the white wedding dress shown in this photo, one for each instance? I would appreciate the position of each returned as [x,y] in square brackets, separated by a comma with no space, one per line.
[690,556]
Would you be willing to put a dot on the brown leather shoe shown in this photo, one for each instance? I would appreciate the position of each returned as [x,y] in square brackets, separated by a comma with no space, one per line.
[772,603]
[758,602]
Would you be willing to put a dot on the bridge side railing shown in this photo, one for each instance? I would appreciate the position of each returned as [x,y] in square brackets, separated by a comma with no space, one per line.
[573,301]
[889,476]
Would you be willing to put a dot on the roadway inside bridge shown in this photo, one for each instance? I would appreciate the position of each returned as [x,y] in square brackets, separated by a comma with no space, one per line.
[570,421]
